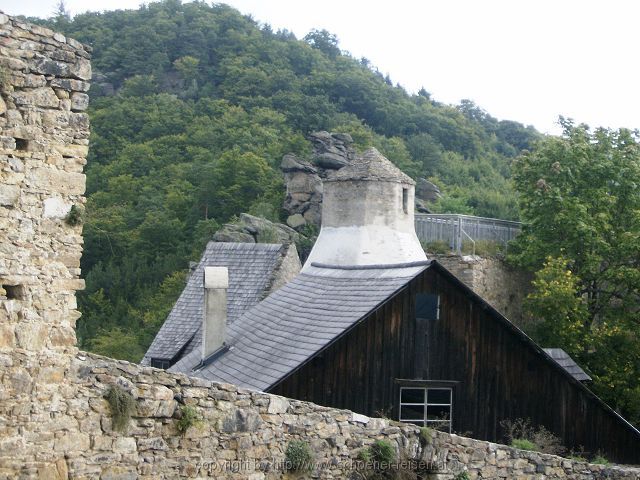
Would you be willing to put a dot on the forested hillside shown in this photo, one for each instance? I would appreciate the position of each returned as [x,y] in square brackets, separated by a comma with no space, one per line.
[192,108]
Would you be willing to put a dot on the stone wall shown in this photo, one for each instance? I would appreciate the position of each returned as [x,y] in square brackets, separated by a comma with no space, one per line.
[503,287]
[240,434]
[44,135]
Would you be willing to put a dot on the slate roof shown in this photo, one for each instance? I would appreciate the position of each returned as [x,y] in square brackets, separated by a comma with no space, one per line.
[251,267]
[294,323]
[371,165]
[563,359]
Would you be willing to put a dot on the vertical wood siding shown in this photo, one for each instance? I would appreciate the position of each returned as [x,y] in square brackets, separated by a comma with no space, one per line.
[500,374]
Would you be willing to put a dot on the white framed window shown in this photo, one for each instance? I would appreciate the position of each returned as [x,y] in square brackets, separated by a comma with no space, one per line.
[428,406]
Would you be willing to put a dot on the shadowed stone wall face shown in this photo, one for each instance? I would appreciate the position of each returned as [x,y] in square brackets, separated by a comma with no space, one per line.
[504,287]
[55,422]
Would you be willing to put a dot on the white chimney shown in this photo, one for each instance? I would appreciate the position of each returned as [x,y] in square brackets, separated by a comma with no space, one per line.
[214,325]
[367,216]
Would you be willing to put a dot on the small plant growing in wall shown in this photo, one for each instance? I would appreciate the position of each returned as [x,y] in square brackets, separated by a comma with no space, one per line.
[189,417]
[599,459]
[426,436]
[382,452]
[524,444]
[462,476]
[122,407]
[298,457]
[75,216]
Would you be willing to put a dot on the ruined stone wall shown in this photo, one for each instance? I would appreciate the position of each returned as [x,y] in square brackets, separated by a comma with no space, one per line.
[44,134]
[503,287]
[240,434]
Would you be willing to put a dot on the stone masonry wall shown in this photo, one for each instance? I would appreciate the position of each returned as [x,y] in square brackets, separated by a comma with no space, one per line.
[55,422]
[505,288]
[241,434]
[44,135]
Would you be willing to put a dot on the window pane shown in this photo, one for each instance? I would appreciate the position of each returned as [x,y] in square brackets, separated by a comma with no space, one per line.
[439,412]
[412,395]
[427,306]
[412,412]
[439,395]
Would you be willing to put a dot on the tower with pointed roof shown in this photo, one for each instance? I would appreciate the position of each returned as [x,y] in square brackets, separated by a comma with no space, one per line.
[367,216]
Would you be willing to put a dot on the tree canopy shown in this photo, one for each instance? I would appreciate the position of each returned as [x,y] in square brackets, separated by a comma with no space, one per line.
[580,199]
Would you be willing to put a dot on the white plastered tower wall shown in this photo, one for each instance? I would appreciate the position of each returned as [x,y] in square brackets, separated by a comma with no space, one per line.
[367,216]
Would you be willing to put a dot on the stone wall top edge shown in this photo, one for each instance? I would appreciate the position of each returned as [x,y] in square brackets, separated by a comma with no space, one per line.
[55,38]
[96,362]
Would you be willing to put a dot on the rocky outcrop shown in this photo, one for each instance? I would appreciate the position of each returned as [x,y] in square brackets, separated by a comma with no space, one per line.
[303,177]
[250,229]
[426,193]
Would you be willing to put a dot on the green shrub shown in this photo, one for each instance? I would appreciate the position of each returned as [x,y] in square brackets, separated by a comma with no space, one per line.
[462,476]
[382,451]
[436,247]
[600,460]
[426,436]
[189,417]
[364,455]
[75,216]
[524,444]
[298,456]
[122,407]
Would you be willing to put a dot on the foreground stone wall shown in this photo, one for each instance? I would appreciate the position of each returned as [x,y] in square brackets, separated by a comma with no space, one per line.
[241,434]
[505,288]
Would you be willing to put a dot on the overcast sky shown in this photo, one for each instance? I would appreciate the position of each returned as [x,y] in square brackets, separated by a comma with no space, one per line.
[526,60]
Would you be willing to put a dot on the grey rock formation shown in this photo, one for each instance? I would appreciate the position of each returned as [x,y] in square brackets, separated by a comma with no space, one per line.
[303,178]
[250,229]
[426,193]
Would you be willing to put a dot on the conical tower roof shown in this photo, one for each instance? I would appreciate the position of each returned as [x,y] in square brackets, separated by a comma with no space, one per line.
[371,166]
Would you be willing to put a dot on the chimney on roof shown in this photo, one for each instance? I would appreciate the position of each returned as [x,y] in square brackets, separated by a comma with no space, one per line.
[214,326]
[367,216]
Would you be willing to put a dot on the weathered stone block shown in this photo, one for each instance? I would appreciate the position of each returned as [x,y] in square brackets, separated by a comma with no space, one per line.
[79,101]
[72,442]
[9,195]
[278,405]
[39,97]
[32,336]
[81,69]
[54,180]
[55,207]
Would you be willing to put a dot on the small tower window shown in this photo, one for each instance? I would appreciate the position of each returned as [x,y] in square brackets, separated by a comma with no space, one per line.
[405,200]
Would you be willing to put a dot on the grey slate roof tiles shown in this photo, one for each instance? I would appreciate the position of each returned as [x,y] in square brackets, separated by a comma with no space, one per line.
[371,165]
[251,266]
[291,325]
[563,359]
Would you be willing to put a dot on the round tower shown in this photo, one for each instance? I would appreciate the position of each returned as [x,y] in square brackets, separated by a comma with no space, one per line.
[367,216]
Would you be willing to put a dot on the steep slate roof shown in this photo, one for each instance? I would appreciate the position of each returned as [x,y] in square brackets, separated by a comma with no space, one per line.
[251,267]
[565,361]
[372,165]
[294,323]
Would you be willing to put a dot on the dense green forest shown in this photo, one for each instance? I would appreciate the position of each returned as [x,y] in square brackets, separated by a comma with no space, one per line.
[193,107]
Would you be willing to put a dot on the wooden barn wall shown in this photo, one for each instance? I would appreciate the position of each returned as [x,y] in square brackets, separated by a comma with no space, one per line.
[500,375]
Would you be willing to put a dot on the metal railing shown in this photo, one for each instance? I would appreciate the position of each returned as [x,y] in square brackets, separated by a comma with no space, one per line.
[453,229]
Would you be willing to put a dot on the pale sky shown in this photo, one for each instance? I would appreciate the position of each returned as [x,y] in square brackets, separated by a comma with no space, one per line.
[524,60]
